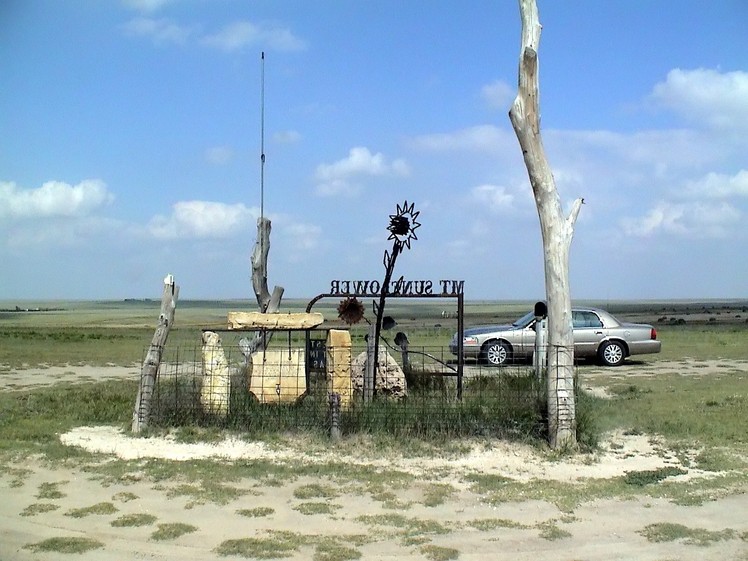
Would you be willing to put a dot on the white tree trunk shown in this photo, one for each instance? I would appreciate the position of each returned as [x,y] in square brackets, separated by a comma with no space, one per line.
[557,232]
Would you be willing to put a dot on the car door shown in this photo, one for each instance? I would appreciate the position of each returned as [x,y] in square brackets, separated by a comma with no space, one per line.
[588,332]
[525,340]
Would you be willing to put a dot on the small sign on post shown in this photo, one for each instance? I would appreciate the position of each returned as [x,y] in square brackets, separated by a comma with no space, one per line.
[541,339]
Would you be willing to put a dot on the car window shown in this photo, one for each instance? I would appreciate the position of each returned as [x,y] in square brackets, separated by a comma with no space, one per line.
[525,320]
[582,319]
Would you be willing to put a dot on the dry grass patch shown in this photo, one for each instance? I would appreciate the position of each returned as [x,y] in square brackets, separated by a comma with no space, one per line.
[133,520]
[98,508]
[172,531]
[669,532]
[65,545]
[39,508]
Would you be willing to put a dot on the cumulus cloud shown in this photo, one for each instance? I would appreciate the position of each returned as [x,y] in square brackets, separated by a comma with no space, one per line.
[287,137]
[493,197]
[340,177]
[498,94]
[718,99]
[201,219]
[160,31]
[300,240]
[53,199]
[61,232]
[147,6]
[240,34]
[688,220]
[480,138]
[719,186]
[219,155]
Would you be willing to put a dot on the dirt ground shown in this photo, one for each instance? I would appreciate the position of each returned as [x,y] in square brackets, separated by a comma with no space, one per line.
[41,501]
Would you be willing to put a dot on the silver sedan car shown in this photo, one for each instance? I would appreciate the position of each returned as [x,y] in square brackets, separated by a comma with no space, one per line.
[597,335]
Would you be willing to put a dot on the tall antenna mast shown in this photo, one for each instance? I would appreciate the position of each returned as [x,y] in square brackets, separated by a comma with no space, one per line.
[262,139]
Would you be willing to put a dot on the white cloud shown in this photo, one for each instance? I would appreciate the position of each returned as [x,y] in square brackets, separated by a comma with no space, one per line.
[53,198]
[717,99]
[498,94]
[219,155]
[481,138]
[687,220]
[305,236]
[339,177]
[61,232]
[201,219]
[146,5]
[160,31]
[237,35]
[287,137]
[492,197]
[719,186]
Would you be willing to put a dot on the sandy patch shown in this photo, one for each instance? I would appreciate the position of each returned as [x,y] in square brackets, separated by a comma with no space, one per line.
[27,378]
[619,454]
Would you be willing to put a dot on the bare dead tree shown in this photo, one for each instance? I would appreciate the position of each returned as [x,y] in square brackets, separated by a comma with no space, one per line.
[265,301]
[557,232]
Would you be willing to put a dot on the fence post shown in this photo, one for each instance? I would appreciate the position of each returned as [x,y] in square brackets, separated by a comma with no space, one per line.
[334,401]
[142,412]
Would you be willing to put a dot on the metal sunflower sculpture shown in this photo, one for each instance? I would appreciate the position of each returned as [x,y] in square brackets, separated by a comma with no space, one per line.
[350,310]
[402,228]
[403,224]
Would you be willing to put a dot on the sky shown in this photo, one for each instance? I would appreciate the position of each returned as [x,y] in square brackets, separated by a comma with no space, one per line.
[131,134]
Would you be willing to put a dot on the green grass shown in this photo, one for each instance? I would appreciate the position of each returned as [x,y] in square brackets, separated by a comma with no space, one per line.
[277,546]
[439,553]
[710,410]
[31,420]
[98,509]
[315,491]
[206,491]
[50,490]
[651,477]
[172,531]
[133,520]
[311,508]
[282,544]
[65,545]
[437,494]
[39,508]
[257,512]
[702,342]
[668,532]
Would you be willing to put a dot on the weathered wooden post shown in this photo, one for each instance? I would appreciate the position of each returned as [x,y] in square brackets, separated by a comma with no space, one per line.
[557,231]
[141,414]
[267,303]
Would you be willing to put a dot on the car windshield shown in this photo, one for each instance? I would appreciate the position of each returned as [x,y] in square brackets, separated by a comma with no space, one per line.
[525,320]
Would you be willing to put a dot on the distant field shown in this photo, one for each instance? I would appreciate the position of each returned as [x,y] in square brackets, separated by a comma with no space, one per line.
[119,332]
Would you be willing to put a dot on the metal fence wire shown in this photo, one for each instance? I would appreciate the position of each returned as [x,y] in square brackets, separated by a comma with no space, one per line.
[288,389]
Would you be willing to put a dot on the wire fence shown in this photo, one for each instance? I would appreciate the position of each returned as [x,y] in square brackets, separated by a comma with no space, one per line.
[290,388]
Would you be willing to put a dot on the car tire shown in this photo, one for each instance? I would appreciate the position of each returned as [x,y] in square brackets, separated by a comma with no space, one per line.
[497,353]
[611,353]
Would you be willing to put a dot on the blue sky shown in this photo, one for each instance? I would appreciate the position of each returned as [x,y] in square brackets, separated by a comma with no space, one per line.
[130,145]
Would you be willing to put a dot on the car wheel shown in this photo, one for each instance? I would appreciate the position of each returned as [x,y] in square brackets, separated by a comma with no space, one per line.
[611,353]
[497,353]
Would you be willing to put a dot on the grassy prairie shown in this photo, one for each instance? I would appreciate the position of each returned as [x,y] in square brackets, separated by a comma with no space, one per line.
[119,332]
